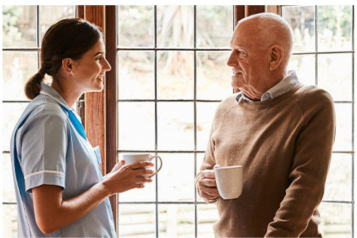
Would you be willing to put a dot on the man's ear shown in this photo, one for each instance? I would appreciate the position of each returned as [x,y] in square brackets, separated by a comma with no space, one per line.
[67,65]
[276,55]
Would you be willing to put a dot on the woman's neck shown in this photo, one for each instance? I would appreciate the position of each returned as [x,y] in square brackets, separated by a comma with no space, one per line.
[67,93]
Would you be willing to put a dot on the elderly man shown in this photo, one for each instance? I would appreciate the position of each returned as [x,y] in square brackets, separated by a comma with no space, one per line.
[279,130]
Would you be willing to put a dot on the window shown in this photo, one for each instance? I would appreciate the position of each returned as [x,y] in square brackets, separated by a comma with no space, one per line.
[324,55]
[172,74]
[23,29]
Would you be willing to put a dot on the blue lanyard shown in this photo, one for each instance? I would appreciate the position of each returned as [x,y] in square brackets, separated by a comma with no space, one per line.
[75,122]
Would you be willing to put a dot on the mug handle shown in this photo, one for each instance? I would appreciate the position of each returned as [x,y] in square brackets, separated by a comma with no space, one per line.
[156,156]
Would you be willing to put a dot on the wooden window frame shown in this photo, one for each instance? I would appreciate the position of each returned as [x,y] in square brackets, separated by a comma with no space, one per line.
[99,110]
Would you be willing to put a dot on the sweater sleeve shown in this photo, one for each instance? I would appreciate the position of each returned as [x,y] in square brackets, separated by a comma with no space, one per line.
[313,148]
[209,160]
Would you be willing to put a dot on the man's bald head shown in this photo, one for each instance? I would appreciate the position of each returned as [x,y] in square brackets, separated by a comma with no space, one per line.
[267,29]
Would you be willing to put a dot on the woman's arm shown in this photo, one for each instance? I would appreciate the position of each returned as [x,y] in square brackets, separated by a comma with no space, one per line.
[53,213]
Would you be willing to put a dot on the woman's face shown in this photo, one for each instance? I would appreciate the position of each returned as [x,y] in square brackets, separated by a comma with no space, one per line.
[89,71]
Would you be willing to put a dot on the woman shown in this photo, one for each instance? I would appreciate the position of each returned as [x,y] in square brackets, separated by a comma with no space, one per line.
[59,186]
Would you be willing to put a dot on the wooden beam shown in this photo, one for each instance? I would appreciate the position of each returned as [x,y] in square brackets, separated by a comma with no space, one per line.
[254,9]
[95,102]
[80,11]
[81,105]
[111,99]
[274,9]
[239,13]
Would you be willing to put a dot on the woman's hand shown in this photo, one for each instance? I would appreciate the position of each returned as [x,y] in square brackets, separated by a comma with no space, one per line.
[125,177]
[53,213]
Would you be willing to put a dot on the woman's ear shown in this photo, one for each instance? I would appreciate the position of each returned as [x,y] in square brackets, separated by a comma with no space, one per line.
[276,55]
[67,65]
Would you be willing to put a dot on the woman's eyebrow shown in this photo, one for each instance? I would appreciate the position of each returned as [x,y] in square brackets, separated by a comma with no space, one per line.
[98,53]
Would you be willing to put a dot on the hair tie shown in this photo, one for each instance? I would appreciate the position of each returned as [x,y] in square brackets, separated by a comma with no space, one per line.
[42,72]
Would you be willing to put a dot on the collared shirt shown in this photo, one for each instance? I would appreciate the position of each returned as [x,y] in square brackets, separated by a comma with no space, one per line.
[47,149]
[284,86]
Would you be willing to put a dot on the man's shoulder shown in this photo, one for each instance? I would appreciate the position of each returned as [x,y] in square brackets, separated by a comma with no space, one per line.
[232,99]
[308,96]
[228,102]
[312,92]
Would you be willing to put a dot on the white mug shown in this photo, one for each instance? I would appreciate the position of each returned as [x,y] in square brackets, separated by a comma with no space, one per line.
[229,181]
[133,158]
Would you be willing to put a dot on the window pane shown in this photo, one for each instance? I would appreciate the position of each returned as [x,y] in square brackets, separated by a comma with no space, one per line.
[335,220]
[302,21]
[335,75]
[136,220]
[8,189]
[175,126]
[175,26]
[19,26]
[176,178]
[136,129]
[12,113]
[213,75]
[339,179]
[146,194]
[136,26]
[9,219]
[52,14]
[343,139]
[176,220]
[205,115]
[304,65]
[214,26]
[335,28]
[175,75]
[199,161]
[18,67]
[136,75]
[207,215]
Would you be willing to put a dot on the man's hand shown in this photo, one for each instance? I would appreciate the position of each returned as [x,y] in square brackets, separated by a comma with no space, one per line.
[207,187]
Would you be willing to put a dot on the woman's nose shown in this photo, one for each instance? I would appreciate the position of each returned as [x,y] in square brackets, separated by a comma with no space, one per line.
[106,65]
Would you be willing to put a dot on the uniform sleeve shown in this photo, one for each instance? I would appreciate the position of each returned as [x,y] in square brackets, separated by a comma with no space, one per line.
[209,160]
[44,142]
[308,172]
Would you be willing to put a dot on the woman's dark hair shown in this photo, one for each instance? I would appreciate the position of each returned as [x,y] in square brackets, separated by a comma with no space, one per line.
[68,38]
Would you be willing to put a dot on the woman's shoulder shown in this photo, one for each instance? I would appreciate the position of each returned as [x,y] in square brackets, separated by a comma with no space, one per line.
[43,105]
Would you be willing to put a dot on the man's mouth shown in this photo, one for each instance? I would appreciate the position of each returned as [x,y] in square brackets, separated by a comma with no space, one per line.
[235,73]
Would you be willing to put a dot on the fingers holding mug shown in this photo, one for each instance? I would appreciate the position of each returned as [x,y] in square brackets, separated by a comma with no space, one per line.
[139,161]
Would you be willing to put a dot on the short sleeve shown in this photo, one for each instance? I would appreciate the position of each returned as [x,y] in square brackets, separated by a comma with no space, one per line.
[44,141]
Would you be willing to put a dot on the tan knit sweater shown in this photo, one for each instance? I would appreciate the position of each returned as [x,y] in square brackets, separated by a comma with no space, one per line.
[285,146]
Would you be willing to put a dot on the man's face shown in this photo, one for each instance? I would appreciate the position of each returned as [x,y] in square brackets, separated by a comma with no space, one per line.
[249,61]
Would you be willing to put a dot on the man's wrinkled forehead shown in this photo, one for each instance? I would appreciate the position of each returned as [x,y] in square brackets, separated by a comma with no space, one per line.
[247,34]
[240,36]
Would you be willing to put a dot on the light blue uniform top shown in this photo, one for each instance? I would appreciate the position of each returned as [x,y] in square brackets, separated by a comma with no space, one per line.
[46,148]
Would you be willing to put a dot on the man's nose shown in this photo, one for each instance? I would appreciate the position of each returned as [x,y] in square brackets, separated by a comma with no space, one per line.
[232,61]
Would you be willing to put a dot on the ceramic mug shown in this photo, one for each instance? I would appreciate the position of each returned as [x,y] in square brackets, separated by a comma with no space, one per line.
[133,158]
[229,181]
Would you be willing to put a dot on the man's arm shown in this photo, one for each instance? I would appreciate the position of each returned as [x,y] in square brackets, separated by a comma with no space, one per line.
[308,174]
